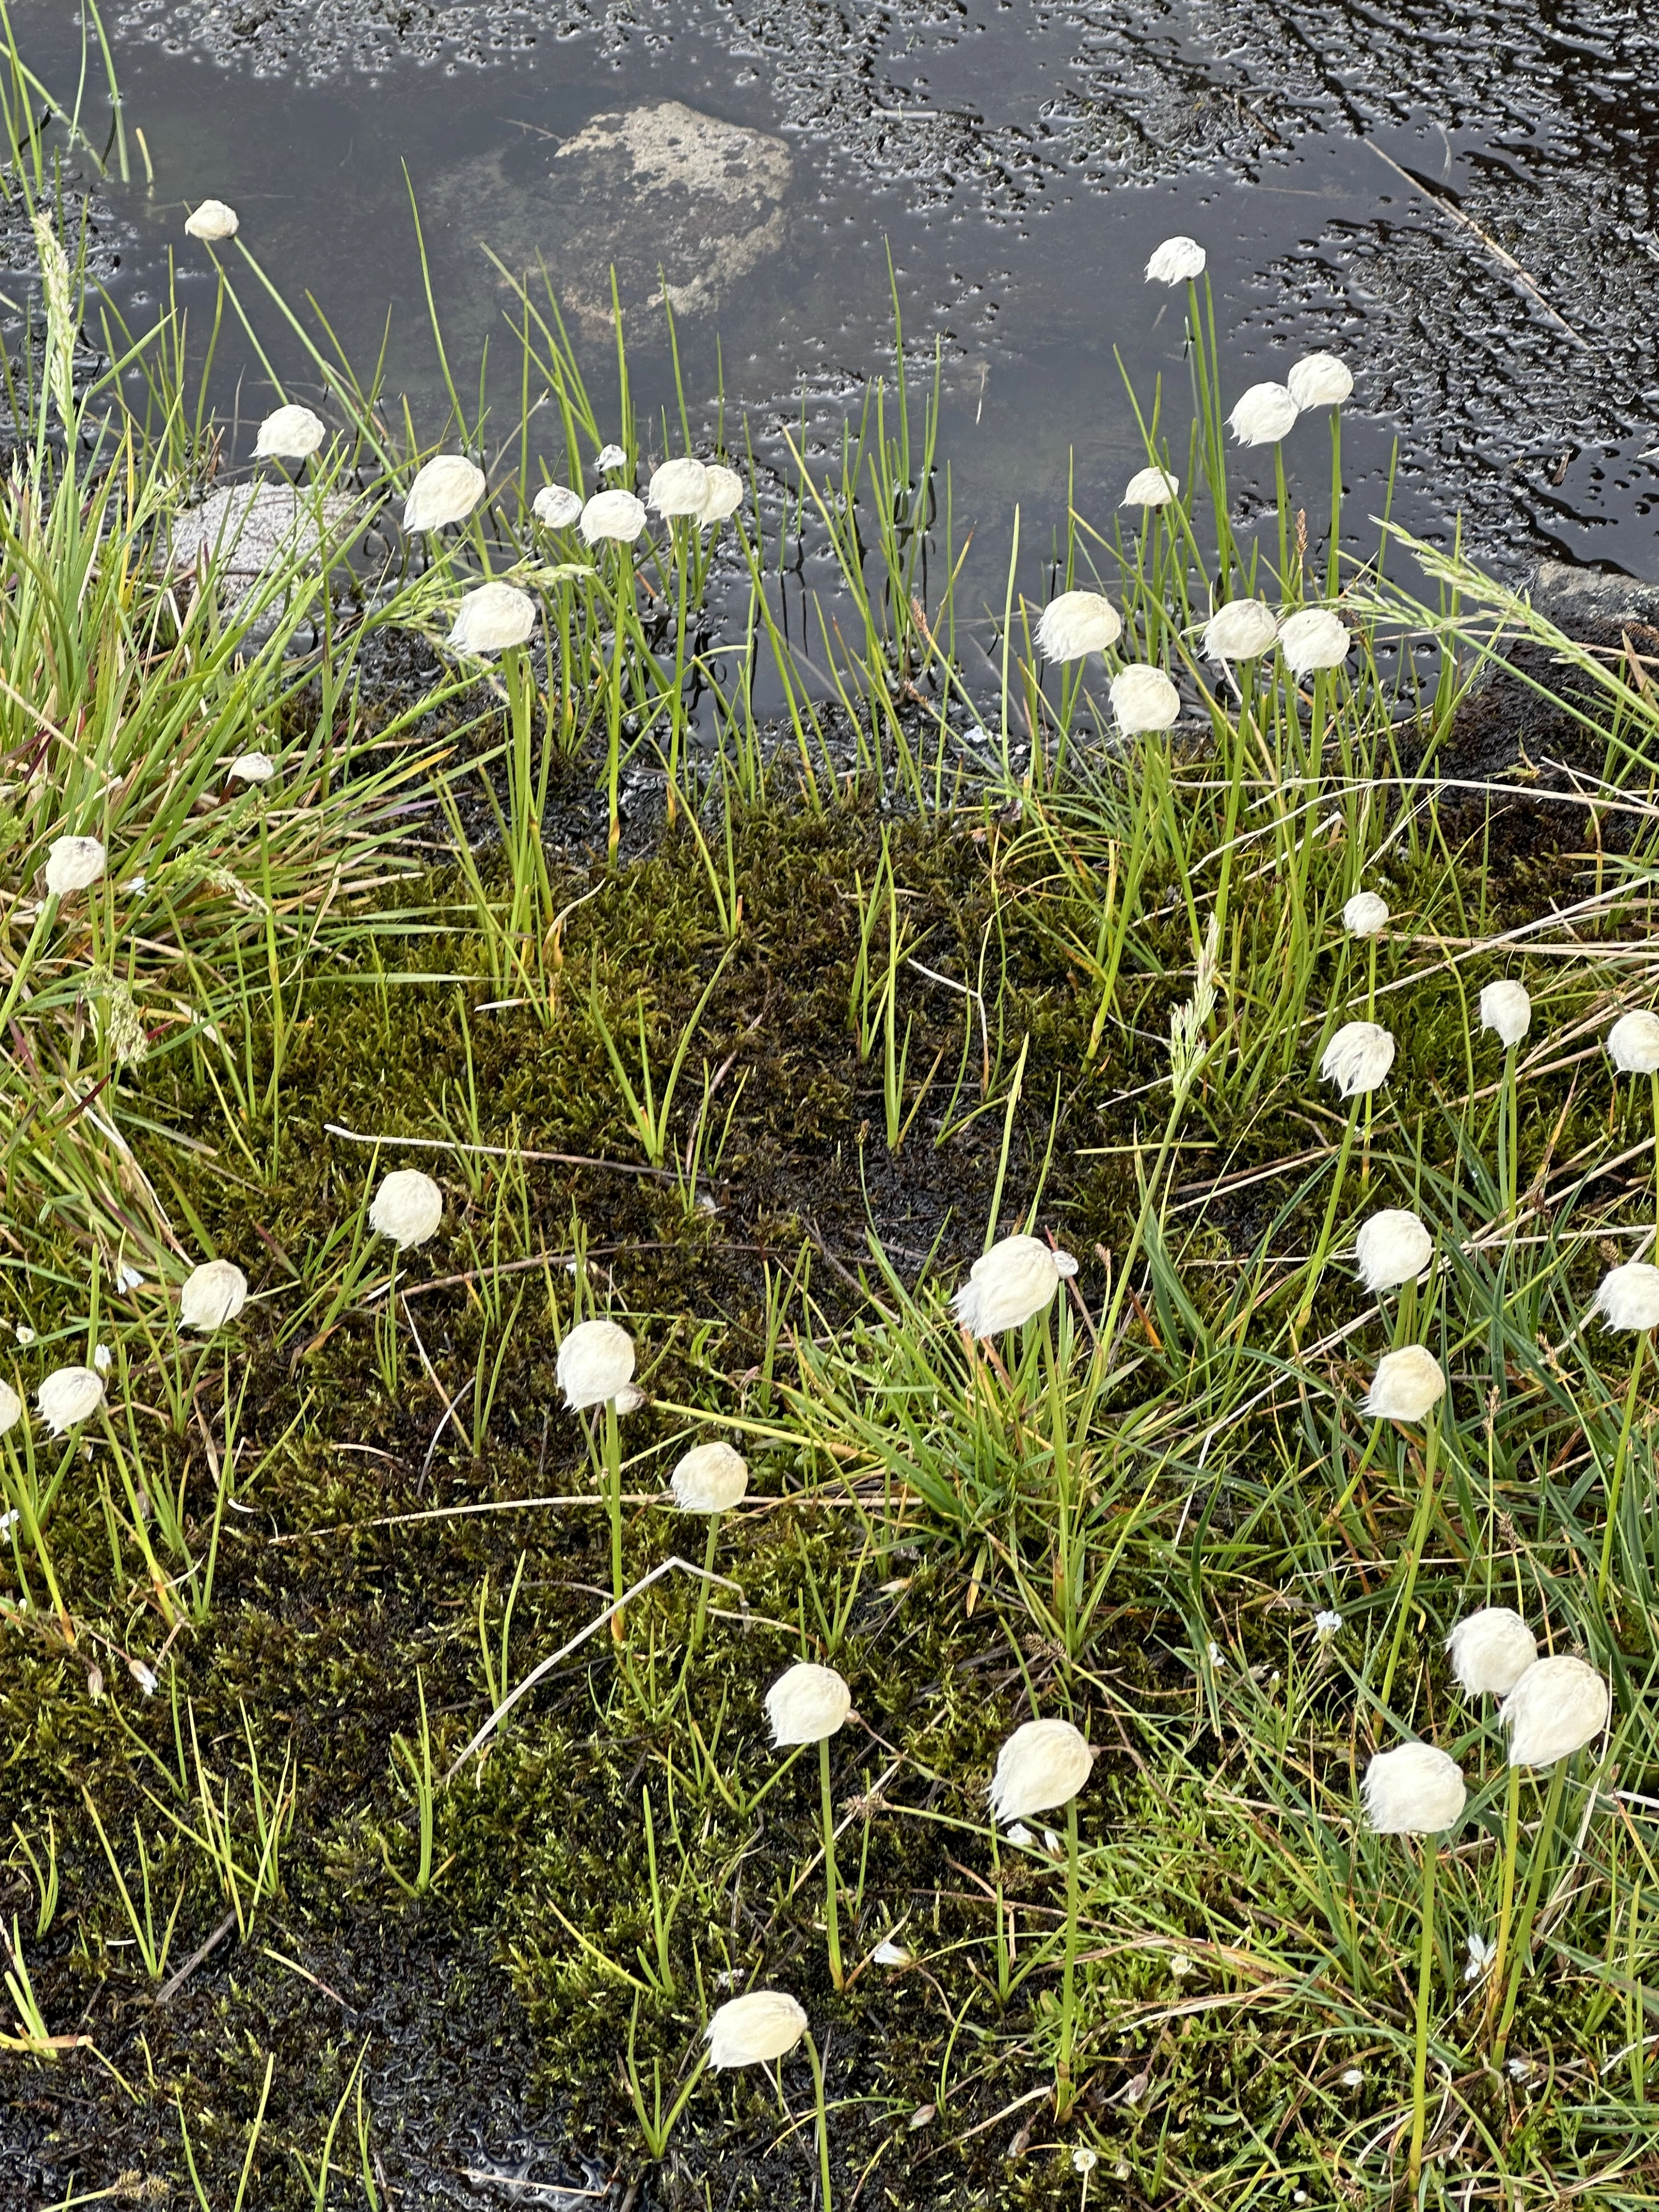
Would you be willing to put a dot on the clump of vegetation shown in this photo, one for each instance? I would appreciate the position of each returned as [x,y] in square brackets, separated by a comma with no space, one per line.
[390,1803]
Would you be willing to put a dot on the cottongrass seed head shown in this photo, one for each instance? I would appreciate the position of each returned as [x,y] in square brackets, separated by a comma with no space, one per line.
[1365,915]
[556,507]
[1143,699]
[1358,1057]
[1177,261]
[1320,380]
[1042,1764]
[595,1364]
[1151,487]
[1489,1650]
[1392,1247]
[1506,1010]
[679,486]
[1415,1789]
[74,863]
[755,2029]
[291,433]
[214,1293]
[1555,1708]
[1407,1386]
[1009,1285]
[612,518]
[1312,640]
[407,1208]
[67,1396]
[492,619]
[1264,414]
[1076,623]
[1633,1043]
[1628,1297]
[806,1704]
[1242,630]
[710,1478]
[445,490]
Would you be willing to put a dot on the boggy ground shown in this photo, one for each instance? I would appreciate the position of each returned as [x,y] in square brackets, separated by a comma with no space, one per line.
[469,2040]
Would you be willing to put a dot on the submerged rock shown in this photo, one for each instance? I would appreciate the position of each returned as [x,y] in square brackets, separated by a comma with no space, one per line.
[672,199]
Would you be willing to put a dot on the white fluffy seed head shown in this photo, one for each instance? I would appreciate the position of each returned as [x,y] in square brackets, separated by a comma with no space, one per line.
[1628,1297]
[609,457]
[1043,1764]
[723,496]
[290,433]
[1076,623]
[1175,262]
[1365,915]
[710,1479]
[1320,380]
[407,1207]
[1242,630]
[74,863]
[214,1293]
[445,490]
[596,1365]
[1491,1651]
[679,487]
[1407,1386]
[252,767]
[1144,699]
[1392,1247]
[11,1408]
[612,518]
[1555,1708]
[1413,1790]
[493,618]
[1263,415]
[806,1704]
[1358,1057]
[1009,1285]
[1633,1042]
[754,2030]
[1312,640]
[557,506]
[1150,488]
[212,219]
[1506,1010]
[69,1396]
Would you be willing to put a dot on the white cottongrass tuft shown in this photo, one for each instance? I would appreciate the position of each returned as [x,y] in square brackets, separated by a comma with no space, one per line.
[1365,915]
[1415,1789]
[493,618]
[69,1396]
[1407,1386]
[1150,488]
[291,433]
[1076,623]
[74,863]
[556,507]
[1392,1247]
[612,518]
[1263,415]
[1506,1010]
[679,487]
[710,1479]
[1555,1709]
[252,767]
[1320,380]
[1242,630]
[11,1412]
[214,1293]
[212,221]
[1177,261]
[1628,1297]
[611,457]
[1491,1651]
[889,1953]
[407,1207]
[1043,1764]
[754,2030]
[445,491]
[1358,1057]
[1009,1285]
[806,1704]
[1144,699]
[723,496]
[596,1365]
[1312,640]
[1633,1043]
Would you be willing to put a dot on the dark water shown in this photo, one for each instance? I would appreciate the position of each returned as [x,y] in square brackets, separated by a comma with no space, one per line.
[1020,160]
